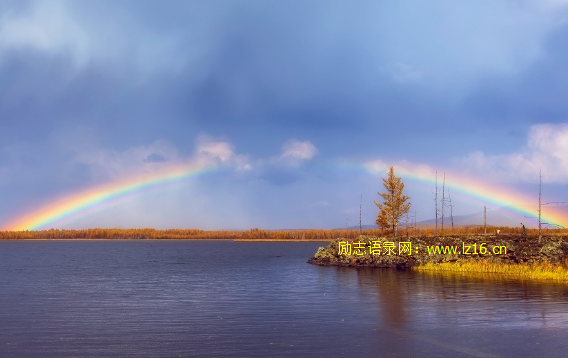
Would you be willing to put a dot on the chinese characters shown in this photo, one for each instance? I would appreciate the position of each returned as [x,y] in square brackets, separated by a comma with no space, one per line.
[375,247]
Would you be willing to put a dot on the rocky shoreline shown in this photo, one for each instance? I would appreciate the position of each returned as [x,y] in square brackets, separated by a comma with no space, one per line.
[519,249]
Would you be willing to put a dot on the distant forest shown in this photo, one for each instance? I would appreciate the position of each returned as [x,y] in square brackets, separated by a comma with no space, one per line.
[254,234]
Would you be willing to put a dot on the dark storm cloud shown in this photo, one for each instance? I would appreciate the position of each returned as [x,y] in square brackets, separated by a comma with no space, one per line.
[280,68]
[332,75]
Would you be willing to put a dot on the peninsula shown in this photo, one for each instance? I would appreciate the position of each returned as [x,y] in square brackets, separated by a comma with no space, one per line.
[510,254]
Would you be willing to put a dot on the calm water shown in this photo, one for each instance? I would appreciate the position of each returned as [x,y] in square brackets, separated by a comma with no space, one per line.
[231,299]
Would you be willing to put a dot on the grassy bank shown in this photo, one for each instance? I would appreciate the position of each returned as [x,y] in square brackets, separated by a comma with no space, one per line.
[535,271]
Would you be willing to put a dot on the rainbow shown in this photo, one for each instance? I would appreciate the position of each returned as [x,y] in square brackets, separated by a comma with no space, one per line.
[97,197]
[102,195]
[492,194]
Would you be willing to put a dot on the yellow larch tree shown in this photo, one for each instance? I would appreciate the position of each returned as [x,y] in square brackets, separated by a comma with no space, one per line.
[395,204]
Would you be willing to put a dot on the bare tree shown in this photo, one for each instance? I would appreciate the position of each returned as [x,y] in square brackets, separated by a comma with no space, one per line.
[451,210]
[443,201]
[485,219]
[539,204]
[436,202]
[360,212]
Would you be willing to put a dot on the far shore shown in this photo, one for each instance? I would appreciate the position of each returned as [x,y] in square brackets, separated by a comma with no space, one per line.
[173,239]
[256,234]
[182,234]
[281,240]
[119,239]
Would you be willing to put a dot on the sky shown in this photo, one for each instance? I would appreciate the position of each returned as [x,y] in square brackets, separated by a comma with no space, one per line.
[284,114]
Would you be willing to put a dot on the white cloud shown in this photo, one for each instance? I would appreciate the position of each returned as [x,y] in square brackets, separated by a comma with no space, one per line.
[546,150]
[380,167]
[83,33]
[298,150]
[47,27]
[111,164]
[220,151]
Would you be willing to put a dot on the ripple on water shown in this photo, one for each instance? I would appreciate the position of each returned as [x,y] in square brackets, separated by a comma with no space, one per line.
[227,299]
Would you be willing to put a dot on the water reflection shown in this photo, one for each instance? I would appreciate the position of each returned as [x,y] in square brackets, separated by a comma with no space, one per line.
[406,297]
[489,299]
[391,292]
[454,314]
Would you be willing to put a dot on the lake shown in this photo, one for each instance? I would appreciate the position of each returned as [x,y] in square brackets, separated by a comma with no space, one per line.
[258,299]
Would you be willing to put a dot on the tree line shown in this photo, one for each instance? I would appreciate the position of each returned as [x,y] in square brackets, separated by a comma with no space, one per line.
[253,234]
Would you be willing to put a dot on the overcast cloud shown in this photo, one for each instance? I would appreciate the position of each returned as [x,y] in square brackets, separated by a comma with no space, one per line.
[289,99]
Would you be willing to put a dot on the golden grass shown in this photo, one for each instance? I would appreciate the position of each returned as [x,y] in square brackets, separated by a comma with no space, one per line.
[281,240]
[186,234]
[252,234]
[544,271]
